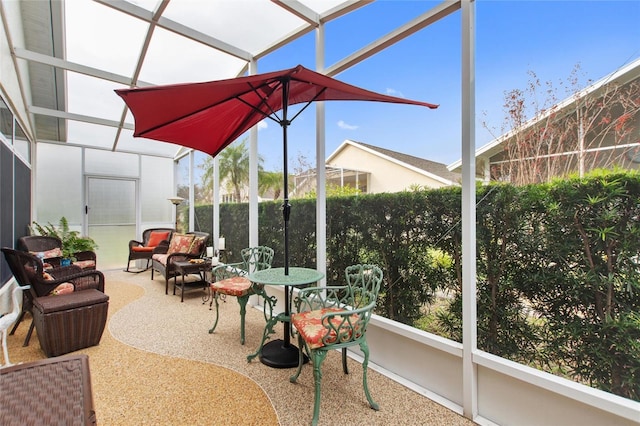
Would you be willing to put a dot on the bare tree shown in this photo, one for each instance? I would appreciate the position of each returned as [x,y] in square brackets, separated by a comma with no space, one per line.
[590,129]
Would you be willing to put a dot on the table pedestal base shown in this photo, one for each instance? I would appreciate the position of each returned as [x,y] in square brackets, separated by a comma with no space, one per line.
[275,354]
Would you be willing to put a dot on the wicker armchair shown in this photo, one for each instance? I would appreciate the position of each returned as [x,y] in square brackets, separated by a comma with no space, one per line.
[336,317]
[28,270]
[143,250]
[191,245]
[51,248]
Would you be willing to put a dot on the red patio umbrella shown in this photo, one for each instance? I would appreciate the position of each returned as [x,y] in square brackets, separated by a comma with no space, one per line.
[209,116]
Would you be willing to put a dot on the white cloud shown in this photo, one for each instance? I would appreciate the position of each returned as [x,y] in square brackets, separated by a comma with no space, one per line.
[394,92]
[346,126]
[262,125]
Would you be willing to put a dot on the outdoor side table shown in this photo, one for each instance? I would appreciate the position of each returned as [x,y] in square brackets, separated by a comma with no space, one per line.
[280,353]
[192,268]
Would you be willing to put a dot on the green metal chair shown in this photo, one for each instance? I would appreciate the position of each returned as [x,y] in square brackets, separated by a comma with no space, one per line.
[336,317]
[231,280]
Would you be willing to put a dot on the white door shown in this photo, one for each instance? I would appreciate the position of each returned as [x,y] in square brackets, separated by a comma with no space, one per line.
[111,218]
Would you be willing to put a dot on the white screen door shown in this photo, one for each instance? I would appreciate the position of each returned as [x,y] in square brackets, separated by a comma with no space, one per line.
[111,218]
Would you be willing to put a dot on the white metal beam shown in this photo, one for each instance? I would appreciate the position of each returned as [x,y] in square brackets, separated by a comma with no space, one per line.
[177,28]
[141,57]
[469,307]
[330,15]
[300,10]
[75,67]
[254,159]
[77,117]
[422,21]
[321,176]
[343,9]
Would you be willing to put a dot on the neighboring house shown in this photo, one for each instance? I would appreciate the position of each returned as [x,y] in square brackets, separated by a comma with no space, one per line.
[557,146]
[374,170]
[228,193]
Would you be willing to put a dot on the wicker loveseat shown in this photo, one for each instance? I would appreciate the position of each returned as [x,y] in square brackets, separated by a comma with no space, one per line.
[191,245]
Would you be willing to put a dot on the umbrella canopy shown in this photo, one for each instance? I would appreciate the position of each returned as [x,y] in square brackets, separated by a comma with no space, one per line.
[209,116]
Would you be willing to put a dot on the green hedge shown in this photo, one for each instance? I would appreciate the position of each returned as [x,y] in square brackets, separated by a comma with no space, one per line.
[557,265]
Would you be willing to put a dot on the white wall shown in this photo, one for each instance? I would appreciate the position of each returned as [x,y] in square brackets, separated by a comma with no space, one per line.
[508,393]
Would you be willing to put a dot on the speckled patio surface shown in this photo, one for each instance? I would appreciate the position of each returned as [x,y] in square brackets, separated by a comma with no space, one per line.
[157,364]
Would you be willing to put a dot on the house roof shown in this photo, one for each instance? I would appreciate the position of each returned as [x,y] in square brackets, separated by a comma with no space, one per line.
[432,169]
[621,76]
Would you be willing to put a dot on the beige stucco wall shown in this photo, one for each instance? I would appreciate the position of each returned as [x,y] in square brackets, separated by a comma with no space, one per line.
[386,176]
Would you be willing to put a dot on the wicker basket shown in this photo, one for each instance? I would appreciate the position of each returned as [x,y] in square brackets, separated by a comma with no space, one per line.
[54,391]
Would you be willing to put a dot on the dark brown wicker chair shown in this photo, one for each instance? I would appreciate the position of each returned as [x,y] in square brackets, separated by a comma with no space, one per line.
[28,270]
[162,259]
[143,250]
[48,245]
[54,391]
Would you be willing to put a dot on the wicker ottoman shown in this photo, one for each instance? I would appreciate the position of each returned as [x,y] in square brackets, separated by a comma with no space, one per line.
[69,322]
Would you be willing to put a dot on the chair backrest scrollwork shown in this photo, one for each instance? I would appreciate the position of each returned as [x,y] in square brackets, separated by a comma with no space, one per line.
[256,258]
[364,284]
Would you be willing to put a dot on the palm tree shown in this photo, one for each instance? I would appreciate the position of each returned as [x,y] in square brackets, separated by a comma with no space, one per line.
[207,178]
[270,181]
[234,167]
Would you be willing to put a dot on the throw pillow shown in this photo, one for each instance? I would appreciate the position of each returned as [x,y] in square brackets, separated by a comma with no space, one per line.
[197,244]
[180,243]
[64,288]
[157,237]
[48,254]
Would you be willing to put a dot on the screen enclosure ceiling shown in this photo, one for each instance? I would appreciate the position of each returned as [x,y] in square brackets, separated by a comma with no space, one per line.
[73,54]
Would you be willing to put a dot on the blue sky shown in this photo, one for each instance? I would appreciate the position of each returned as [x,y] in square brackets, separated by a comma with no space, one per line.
[512,38]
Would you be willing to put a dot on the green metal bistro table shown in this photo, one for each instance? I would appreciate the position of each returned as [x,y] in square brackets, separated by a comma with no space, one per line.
[280,353]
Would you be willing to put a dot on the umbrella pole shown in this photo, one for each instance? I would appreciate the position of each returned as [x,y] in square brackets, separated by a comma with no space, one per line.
[286,207]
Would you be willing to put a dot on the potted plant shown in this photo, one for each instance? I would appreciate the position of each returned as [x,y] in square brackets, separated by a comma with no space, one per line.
[72,241]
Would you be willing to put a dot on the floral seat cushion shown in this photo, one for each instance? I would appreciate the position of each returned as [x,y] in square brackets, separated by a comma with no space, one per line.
[48,254]
[162,258]
[234,286]
[85,264]
[309,325]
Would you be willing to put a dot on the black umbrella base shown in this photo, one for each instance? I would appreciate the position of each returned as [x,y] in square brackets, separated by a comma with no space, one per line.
[278,355]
